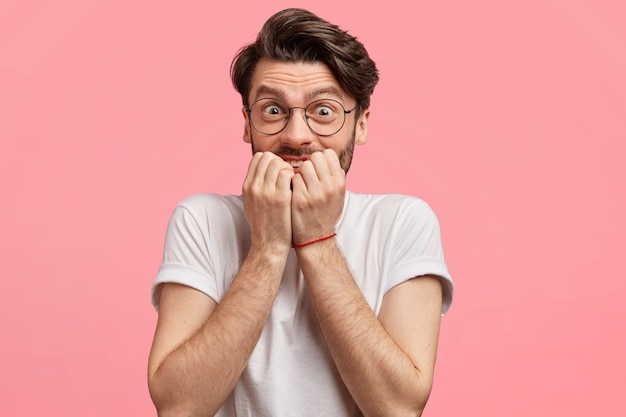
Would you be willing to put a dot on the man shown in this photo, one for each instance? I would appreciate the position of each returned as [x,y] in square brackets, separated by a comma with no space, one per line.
[299,298]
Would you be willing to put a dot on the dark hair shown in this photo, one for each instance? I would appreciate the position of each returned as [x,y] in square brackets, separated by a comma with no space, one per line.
[300,36]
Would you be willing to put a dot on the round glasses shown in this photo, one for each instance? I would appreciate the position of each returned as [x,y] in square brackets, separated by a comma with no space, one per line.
[324,117]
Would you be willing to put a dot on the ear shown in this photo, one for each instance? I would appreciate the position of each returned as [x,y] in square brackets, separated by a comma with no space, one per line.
[246,126]
[360,131]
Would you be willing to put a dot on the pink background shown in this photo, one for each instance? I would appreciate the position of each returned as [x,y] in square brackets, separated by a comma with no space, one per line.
[508,117]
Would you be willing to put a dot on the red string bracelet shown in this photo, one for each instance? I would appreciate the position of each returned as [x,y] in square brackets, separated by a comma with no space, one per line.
[299,245]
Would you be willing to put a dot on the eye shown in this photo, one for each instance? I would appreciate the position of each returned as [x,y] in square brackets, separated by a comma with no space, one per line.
[323,110]
[274,109]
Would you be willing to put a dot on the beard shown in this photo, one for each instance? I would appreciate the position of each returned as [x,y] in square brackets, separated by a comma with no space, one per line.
[345,155]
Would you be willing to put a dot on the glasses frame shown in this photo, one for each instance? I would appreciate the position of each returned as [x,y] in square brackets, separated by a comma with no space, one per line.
[306,116]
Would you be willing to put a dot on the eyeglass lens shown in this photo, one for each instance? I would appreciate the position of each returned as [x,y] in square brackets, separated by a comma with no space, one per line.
[324,117]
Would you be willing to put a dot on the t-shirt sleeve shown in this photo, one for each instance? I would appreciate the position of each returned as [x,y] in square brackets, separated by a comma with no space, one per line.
[418,249]
[186,256]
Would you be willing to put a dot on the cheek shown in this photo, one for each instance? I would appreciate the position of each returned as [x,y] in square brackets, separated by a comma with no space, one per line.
[262,143]
[338,143]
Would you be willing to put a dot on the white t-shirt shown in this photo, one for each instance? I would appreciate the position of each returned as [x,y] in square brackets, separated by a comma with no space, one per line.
[385,239]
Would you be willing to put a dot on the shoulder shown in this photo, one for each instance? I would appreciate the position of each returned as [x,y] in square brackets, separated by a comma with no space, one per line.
[203,211]
[204,202]
[397,219]
[388,205]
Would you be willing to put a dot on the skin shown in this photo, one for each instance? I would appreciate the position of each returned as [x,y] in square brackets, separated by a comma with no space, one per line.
[386,362]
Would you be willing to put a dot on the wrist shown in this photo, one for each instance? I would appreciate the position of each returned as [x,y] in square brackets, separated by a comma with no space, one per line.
[269,254]
[313,241]
[318,252]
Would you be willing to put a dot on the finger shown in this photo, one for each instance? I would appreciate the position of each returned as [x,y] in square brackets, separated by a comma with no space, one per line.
[274,167]
[262,166]
[252,168]
[320,163]
[283,182]
[297,184]
[308,174]
[334,165]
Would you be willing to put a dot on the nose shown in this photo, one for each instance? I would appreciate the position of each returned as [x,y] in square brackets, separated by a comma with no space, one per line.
[297,132]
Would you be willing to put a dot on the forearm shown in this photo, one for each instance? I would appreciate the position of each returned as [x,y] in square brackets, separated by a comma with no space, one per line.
[381,378]
[196,378]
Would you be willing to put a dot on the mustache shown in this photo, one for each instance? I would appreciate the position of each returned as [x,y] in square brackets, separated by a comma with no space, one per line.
[304,151]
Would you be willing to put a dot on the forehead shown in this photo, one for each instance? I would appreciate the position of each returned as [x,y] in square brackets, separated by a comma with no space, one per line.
[294,81]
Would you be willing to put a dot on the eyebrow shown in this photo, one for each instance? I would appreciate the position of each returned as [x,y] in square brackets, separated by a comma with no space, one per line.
[324,91]
[266,90]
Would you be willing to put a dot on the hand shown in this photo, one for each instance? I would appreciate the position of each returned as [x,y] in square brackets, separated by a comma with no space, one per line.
[318,196]
[267,201]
